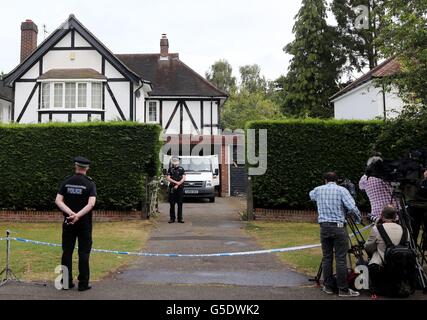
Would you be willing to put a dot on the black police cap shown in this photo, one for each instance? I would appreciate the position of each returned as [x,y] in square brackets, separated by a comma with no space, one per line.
[82,162]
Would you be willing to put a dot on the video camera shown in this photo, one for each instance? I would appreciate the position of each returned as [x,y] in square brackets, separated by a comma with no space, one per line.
[409,169]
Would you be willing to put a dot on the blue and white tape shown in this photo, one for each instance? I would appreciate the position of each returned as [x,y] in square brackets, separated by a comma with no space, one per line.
[182,255]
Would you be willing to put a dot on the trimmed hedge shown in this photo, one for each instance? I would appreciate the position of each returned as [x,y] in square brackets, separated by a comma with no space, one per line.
[34,159]
[300,151]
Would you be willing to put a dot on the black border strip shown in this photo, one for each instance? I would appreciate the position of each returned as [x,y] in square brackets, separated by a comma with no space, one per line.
[73,38]
[117,80]
[181,117]
[72,48]
[131,102]
[26,80]
[201,116]
[211,117]
[161,112]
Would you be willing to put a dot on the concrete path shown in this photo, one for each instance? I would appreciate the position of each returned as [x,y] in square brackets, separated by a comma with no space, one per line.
[209,228]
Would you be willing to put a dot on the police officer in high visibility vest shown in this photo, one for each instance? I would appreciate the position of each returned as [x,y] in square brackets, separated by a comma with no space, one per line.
[176,178]
[76,198]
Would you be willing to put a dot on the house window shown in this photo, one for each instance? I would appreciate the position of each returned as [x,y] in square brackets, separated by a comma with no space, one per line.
[58,95]
[152,111]
[82,95]
[45,103]
[96,95]
[70,95]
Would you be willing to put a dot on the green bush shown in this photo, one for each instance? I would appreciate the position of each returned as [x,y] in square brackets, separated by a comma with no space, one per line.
[399,135]
[300,151]
[34,159]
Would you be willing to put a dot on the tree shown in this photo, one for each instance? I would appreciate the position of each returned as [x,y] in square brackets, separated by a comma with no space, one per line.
[251,78]
[245,106]
[315,67]
[404,36]
[221,75]
[358,25]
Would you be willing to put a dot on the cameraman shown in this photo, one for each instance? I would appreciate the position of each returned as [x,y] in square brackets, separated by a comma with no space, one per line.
[416,195]
[379,191]
[376,247]
[333,202]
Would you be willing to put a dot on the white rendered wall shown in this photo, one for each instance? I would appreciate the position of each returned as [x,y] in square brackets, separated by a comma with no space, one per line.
[366,103]
[67,59]
[5,107]
[22,93]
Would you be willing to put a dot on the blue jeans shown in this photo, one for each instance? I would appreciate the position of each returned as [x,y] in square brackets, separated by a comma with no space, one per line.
[333,237]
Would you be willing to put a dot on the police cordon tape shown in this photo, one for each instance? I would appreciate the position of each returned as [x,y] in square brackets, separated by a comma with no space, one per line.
[179,255]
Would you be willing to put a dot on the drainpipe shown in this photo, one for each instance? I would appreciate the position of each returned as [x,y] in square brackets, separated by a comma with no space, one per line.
[384,104]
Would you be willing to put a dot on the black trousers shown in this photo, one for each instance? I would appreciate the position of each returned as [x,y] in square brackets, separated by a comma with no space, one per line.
[175,198]
[418,219]
[83,232]
[336,238]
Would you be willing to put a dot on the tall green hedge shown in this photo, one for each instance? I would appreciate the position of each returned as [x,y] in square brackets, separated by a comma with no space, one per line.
[34,159]
[300,151]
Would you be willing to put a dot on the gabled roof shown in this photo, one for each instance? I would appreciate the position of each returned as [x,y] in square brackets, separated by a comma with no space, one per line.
[170,77]
[72,74]
[70,24]
[5,92]
[387,68]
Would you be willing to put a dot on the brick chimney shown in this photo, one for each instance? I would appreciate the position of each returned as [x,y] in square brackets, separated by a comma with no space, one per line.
[29,32]
[164,47]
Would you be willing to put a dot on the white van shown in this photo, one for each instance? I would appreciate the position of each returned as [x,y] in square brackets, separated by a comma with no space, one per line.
[202,175]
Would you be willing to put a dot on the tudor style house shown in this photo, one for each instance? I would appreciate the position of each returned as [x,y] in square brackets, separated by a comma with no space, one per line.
[71,77]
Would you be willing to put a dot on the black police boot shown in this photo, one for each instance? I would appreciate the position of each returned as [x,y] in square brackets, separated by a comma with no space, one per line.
[171,221]
[84,287]
[181,221]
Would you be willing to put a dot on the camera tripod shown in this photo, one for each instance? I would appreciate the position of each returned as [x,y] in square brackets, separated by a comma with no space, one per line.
[405,222]
[357,250]
[7,273]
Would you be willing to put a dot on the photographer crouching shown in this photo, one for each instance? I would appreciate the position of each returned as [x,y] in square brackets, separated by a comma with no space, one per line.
[391,273]
[333,203]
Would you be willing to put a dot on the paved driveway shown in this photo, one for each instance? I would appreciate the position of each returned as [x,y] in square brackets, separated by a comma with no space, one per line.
[209,228]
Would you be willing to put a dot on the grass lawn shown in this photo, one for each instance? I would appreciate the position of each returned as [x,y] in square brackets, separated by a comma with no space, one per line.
[285,234]
[33,262]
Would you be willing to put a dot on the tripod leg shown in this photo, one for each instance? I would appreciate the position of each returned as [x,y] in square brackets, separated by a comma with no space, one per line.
[318,275]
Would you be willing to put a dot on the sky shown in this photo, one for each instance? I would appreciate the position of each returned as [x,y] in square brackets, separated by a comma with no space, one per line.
[201,31]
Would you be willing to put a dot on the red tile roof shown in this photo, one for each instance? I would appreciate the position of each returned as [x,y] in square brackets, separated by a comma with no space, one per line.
[387,68]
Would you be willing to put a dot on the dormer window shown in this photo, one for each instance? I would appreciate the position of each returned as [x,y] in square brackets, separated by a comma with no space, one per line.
[71,89]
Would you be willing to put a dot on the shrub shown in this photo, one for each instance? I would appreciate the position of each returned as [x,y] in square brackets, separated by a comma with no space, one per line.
[300,151]
[406,132]
[34,159]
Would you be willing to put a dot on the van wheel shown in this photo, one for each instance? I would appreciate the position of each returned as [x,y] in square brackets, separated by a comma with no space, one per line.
[211,200]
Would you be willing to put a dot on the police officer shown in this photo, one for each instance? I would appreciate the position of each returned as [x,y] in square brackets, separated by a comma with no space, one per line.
[176,178]
[76,198]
